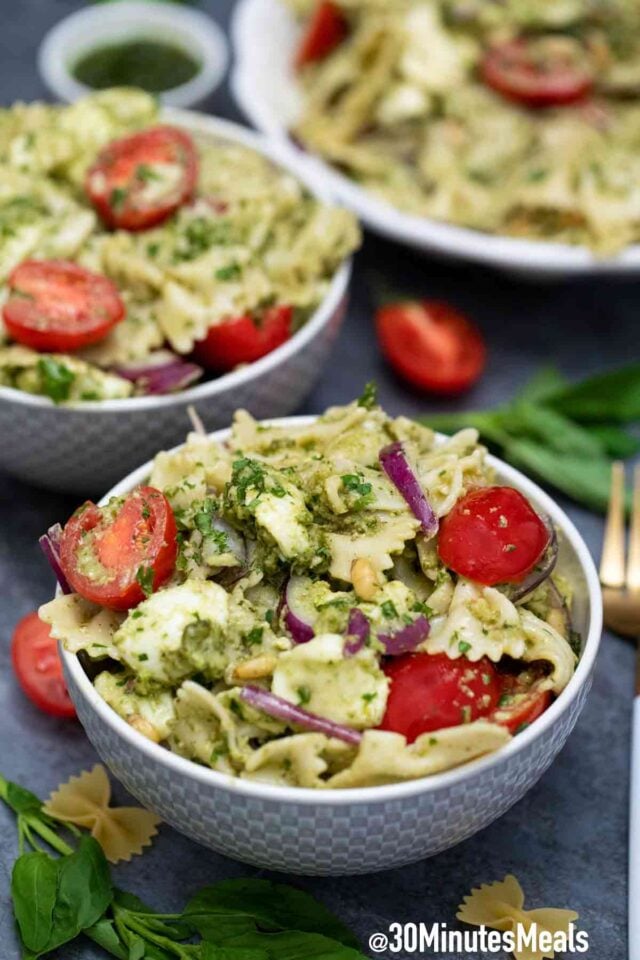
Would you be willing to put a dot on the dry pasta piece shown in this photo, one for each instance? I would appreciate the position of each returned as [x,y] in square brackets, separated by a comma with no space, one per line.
[500,905]
[84,801]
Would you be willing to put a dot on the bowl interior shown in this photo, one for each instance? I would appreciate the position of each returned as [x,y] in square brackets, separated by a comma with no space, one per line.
[574,561]
[204,127]
[273,107]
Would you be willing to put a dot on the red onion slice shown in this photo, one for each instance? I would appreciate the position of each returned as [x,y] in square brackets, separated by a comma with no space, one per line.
[283,710]
[50,545]
[393,461]
[358,630]
[298,616]
[406,639]
[540,572]
[162,372]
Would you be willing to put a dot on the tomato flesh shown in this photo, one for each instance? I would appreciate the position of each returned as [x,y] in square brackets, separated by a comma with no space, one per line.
[244,339]
[140,180]
[59,306]
[520,705]
[431,691]
[115,555]
[325,30]
[431,345]
[492,535]
[37,666]
[536,73]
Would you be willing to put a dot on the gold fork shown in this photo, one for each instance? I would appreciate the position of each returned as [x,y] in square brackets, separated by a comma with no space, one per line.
[621,595]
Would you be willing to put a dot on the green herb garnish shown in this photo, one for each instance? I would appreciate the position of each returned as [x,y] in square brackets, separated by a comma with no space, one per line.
[57,379]
[144,576]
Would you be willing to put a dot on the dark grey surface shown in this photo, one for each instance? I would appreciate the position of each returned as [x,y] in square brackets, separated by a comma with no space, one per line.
[566,840]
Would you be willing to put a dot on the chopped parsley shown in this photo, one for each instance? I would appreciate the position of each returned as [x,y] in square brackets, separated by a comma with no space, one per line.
[389,609]
[232,272]
[118,198]
[360,488]
[369,397]
[254,636]
[464,647]
[57,379]
[304,696]
[144,576]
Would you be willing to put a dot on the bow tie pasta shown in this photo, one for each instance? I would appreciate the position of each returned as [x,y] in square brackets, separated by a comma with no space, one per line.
[311,616]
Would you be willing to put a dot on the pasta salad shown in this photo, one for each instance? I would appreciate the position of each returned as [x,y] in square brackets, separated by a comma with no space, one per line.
[136,258]
[518,117]
[342,603]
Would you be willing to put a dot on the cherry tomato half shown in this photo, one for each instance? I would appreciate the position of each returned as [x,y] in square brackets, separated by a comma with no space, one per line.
[519,704]
[37,666]
[540,72]
[431,692]
[59,306]
[325,30]
[244,339]
[431,345]
[140,180]
[492,535]
[116,554]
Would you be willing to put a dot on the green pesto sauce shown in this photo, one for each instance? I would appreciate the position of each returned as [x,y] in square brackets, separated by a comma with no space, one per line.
[153,65]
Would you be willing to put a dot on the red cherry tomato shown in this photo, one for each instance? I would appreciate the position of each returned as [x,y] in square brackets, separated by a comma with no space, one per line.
[140,180]
[431,691]
[59,306]
[37,666]
[116,554]
[325,30]
[431,345]
[492,535]
[538,72]
[244,339]
[519,705]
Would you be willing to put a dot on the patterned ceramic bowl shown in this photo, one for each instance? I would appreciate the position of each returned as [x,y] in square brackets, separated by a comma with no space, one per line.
[87,448]
[363,830]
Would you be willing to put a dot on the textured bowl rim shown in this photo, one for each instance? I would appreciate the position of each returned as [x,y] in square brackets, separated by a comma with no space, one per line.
[389,792]
[537,258]
[91,27]
[199,123]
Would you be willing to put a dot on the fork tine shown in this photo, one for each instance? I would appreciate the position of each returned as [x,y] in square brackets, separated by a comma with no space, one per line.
[612,572]
[633,564]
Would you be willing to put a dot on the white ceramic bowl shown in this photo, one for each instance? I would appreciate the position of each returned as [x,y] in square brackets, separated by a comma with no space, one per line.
[272,108]
[86,448]
[337,832]
[101,24]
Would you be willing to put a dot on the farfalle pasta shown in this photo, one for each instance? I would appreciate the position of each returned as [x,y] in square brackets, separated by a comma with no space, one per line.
[345,603]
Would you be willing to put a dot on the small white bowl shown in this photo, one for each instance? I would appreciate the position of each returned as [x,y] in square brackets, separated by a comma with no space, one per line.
[336,832]
[101,24]
[85,448]
[272,108]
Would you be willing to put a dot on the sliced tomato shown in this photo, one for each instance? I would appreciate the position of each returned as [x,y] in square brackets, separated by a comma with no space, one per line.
[59,306]
[117,554]
[431,691]
[37,666]
[140,180]
[492,535]
[538,72]
[326,30]
[431,345]
[244,339]
[520,705]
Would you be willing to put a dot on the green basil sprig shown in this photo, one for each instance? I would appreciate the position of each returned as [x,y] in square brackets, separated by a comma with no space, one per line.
[565,434]
[57,898]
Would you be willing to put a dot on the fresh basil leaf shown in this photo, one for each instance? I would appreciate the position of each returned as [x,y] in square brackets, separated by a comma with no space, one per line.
[556,431]
[84,887]
[544,382]
[175,930]
[21,800]
[34,888]
[608,396]
[296,945]
[616,441]
[104,934]
[262,903]
[583,479]
[210,951]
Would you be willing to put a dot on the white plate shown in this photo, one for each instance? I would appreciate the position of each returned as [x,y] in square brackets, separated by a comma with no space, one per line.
[265,88]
